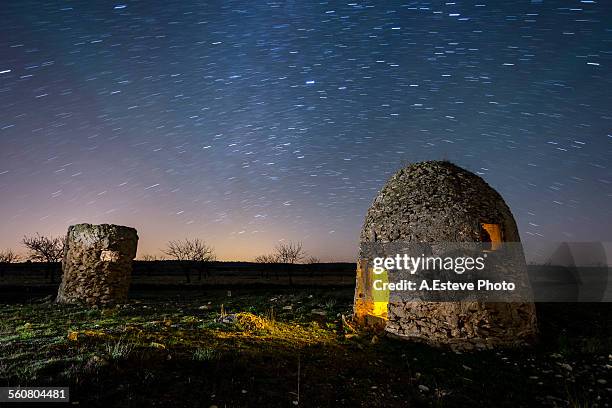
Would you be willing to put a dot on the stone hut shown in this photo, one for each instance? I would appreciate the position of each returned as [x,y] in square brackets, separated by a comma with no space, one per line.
[97,264]
[432,202]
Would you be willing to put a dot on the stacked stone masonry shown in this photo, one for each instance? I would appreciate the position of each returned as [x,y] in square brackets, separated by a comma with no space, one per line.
[97,264]
[437,201]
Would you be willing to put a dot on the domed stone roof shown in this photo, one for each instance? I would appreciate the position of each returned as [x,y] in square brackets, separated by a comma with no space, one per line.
[436,201]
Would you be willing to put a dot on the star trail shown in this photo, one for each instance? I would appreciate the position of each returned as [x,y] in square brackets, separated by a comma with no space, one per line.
[246,123]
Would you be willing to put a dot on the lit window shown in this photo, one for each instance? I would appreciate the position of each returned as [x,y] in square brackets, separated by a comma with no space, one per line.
[491,233]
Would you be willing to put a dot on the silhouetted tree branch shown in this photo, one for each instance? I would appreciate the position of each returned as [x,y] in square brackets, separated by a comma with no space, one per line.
[6,257]
[267,259]
[9,256]
[191,250]
[289,253]
[45,249]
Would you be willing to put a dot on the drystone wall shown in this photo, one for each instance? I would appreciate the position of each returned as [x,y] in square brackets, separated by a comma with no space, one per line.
[97,264]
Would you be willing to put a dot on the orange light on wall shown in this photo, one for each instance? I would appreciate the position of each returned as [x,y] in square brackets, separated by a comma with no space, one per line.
[494,233]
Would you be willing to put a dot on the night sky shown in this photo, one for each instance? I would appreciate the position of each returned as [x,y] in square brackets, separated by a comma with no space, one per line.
[246,123]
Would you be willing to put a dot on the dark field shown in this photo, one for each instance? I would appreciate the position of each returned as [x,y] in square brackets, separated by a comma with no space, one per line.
[280,347]
[152,274]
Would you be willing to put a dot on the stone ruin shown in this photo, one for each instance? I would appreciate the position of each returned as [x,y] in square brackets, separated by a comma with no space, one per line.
[437,201]
[97,264]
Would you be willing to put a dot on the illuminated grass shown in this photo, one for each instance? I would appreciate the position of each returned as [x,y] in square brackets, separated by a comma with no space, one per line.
[119,349]
[256,342]
[204,354]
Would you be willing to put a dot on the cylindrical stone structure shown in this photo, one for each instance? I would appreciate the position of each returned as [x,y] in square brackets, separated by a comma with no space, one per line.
[97,264]
[436,202]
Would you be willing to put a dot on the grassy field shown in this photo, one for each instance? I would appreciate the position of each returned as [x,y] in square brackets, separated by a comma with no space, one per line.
[286,347]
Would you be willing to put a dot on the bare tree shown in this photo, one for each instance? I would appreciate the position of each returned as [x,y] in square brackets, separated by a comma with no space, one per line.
[151,258]
[266,259]
[190,250]
[290,252]
[313,260]
[310,264]
[193,250]
[7,256]
[45,249]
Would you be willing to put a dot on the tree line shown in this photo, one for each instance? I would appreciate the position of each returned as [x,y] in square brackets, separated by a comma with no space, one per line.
[50,250]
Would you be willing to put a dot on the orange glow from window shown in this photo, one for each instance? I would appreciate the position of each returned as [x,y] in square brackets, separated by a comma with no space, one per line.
[495,235]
